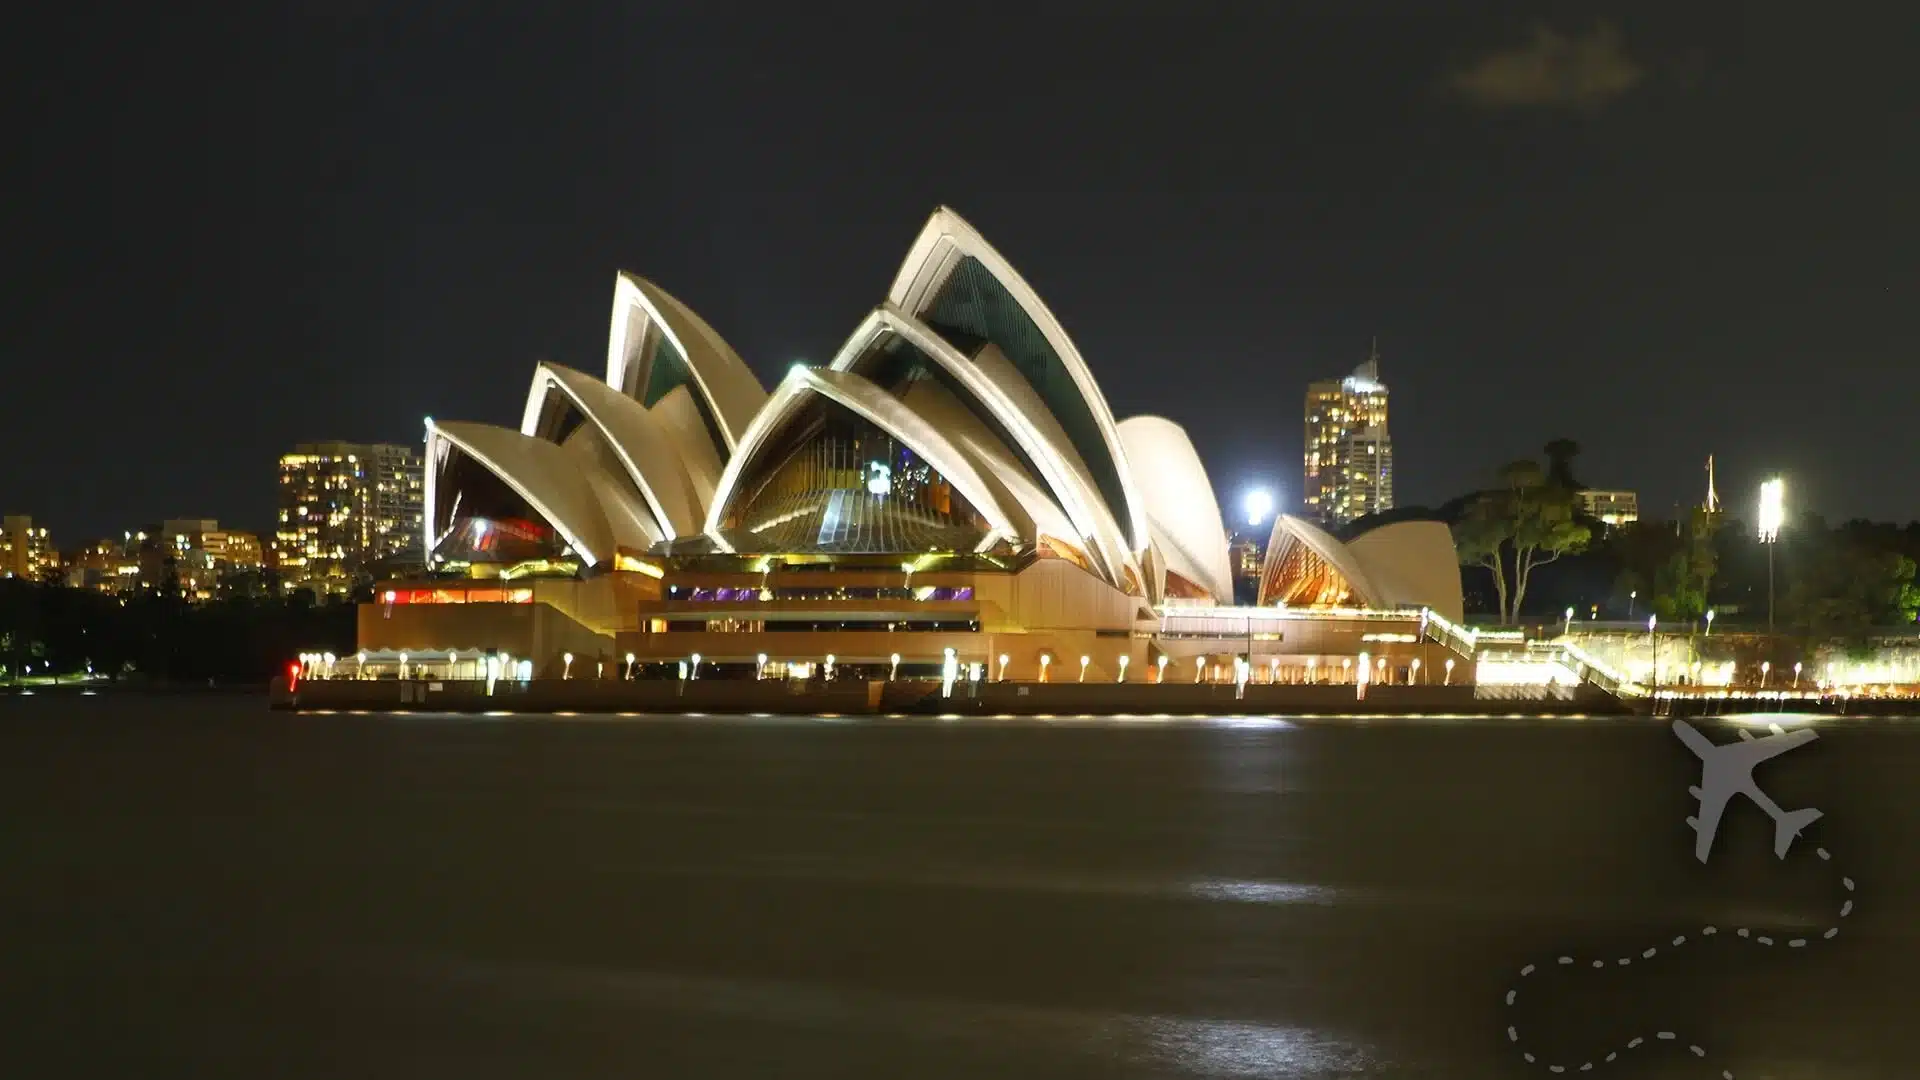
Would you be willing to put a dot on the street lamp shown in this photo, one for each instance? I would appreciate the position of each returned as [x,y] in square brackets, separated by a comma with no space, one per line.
[1084,661]
[1653,647]
[1123,668]
[1161,675]
[1772,512]
[1416,669]
[1765,666]
[1448,681]
[1796,675]
[1199,668]
[893,667]
[1567,627]
[1003,667]
[1709,622]
[629,665]
[695,668]
[403,665]
[760,666]
[1311,662]
[1045,659]
[566,669]
[1631,597]
[829,666]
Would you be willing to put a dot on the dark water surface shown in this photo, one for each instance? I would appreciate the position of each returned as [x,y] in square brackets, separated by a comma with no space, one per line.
[201,888]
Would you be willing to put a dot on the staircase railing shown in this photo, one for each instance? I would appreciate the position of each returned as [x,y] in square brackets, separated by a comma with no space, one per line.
[1448,633]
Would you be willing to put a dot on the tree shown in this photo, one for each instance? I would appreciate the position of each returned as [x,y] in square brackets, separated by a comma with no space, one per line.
[1642,551]
[1676,591]
[1560,455]
[1684,582]
[1839,583]
[1480,539]
[1906,595]
[1525,524]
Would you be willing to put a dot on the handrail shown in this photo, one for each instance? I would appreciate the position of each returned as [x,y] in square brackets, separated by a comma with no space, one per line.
[1457,638]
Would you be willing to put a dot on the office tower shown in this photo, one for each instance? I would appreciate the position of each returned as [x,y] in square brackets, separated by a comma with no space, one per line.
[1349,455]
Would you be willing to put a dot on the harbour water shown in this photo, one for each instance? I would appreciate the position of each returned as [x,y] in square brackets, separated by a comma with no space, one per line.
[200,887]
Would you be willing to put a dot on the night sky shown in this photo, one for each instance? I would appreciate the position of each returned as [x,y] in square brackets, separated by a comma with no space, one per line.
[1672,232]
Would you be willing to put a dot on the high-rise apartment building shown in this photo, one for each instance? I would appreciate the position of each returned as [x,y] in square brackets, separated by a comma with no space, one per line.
[393,525]
[1349,456]
[25,552]
[343,507]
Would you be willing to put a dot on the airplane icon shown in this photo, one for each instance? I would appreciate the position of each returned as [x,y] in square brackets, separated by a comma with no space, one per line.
[1727,770]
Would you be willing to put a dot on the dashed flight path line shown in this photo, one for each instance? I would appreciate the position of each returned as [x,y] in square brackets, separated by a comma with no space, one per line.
[1634,1043]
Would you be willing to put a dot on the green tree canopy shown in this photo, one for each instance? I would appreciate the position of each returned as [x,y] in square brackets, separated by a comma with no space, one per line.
[1524,524]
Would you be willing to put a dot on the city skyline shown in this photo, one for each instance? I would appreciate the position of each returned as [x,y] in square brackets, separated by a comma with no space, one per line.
[395,234]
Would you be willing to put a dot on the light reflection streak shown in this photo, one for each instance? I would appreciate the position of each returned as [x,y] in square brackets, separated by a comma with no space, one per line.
[1241,891]
[1781,718]
[1266,1051]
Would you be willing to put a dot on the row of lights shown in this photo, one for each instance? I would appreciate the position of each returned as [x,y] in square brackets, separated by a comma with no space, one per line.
[690,667]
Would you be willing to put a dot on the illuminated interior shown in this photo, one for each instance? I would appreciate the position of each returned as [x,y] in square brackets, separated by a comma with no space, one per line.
[1298,576]
[479,519]
[830,481]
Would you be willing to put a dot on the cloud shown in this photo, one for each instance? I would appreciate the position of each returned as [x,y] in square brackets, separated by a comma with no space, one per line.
[1552,71]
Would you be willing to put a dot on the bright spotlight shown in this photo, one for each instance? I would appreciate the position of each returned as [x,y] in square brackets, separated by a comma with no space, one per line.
[1772,509]
[1258,504]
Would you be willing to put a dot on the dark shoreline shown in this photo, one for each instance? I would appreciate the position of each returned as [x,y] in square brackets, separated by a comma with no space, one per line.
[140,689]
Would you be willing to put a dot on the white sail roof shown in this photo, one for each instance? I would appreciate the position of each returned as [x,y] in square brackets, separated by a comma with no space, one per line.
[951,273]
[1188,530]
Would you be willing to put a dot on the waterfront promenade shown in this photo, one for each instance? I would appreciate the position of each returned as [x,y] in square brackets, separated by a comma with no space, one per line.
[924,697]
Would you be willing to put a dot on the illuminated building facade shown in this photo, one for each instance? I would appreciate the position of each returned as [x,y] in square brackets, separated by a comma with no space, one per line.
[202,554]
[392,502]
[1348,453]
[193,554]
[950,487]
[26,551]
[110,566]
[345,507]
[1611,507]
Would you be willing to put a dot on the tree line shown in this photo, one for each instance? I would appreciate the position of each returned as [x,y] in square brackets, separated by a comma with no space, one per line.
[1528,547]
[157,635]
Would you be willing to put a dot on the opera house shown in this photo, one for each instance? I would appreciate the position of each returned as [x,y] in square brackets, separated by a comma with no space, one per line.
[951,488]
